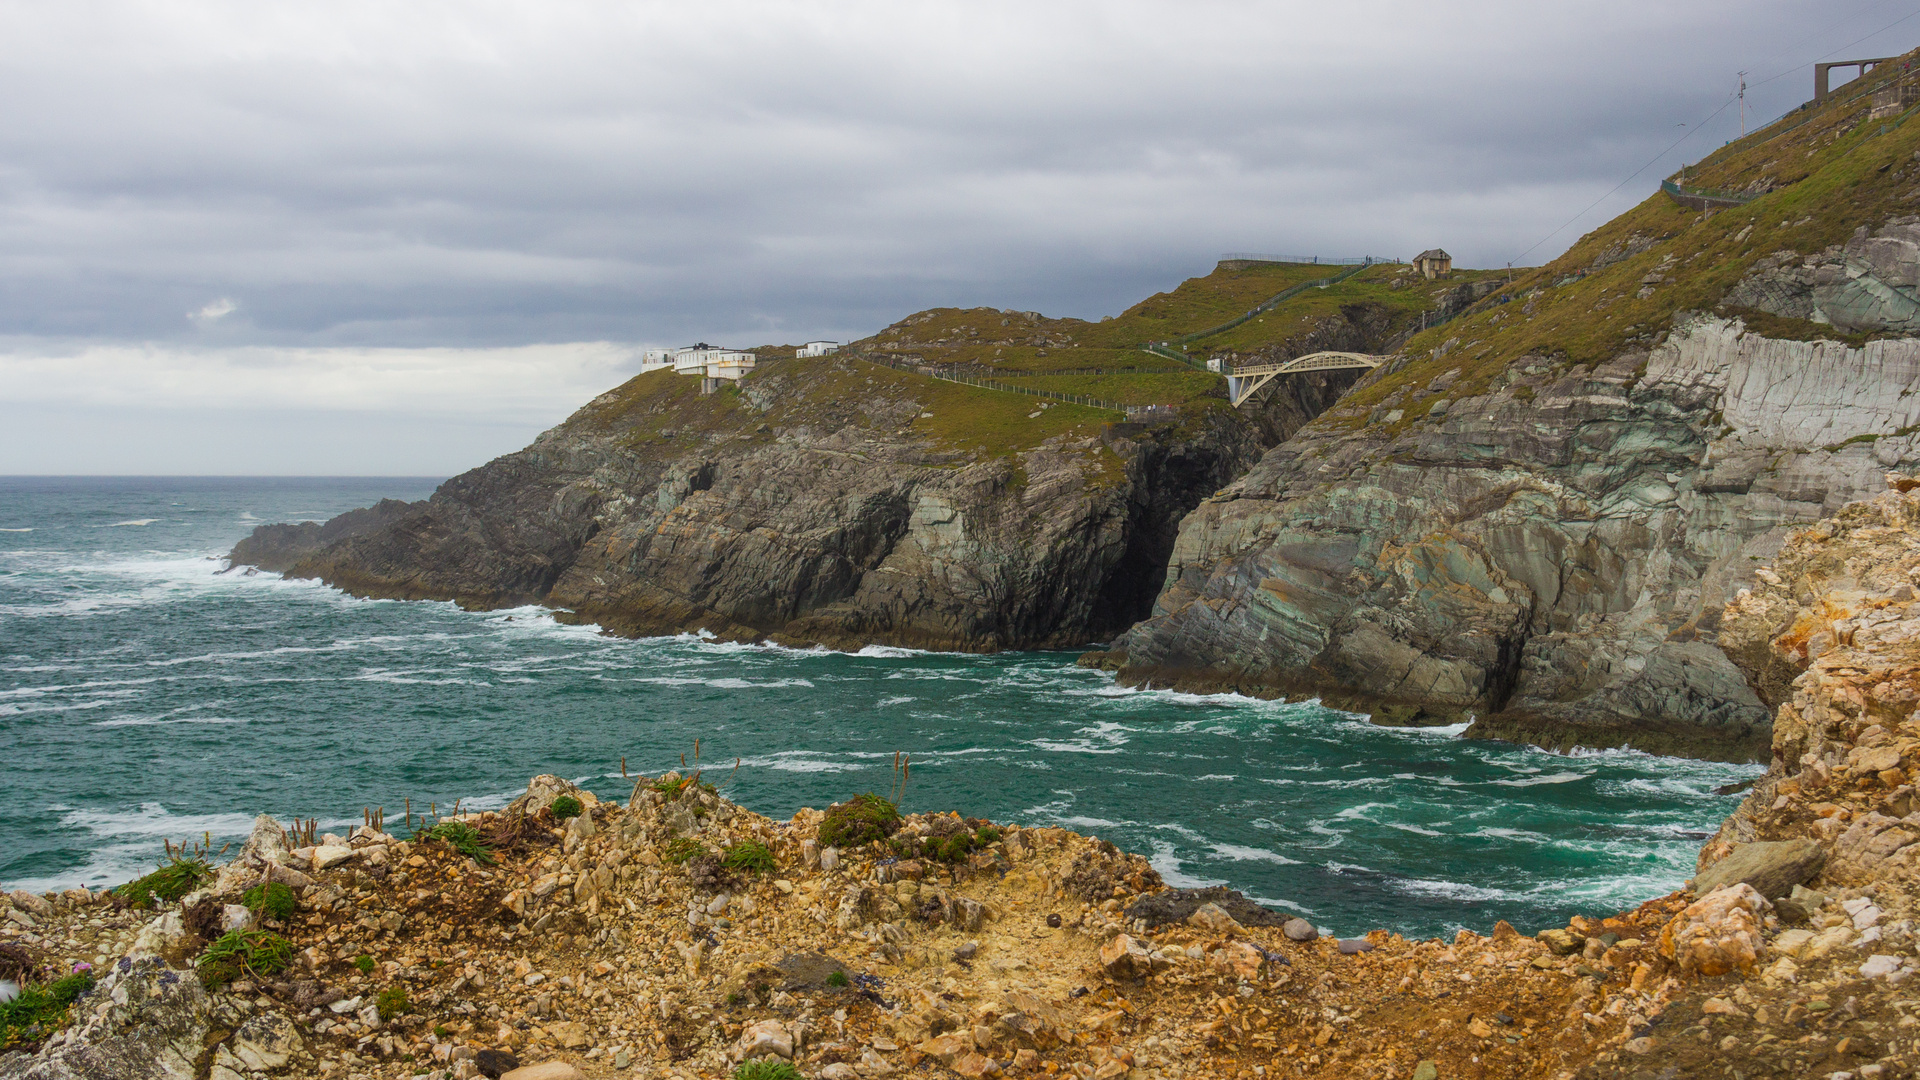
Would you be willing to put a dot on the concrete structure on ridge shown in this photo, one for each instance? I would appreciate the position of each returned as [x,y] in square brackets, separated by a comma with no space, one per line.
[711,363]
[1433,263]
[817,348]
[1820,72]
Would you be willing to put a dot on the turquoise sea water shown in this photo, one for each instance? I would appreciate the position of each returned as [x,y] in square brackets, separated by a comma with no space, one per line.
[146,694]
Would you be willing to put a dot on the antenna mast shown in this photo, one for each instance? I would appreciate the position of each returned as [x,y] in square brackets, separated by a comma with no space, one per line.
[1743,103]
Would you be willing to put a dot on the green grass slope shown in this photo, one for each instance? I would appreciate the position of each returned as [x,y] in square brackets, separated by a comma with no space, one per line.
[1824,172]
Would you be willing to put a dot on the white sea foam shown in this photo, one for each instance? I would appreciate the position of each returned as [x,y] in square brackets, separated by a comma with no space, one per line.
[16,530]
[1448,890]
[727,683]
[1415,829]
[1501,833]
[889,702]
[133,522]
[1242,853]
[1547,778]
[804,761]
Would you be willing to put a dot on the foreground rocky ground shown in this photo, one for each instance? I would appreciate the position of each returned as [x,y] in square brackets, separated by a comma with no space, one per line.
[608,945]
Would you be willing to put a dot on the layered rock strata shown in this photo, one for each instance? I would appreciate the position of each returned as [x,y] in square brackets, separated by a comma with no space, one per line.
[806,507]
[1548,555]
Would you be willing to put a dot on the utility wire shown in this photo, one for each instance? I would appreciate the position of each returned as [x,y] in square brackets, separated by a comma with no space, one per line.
[1701,123]
[1689,134]
[1839,50]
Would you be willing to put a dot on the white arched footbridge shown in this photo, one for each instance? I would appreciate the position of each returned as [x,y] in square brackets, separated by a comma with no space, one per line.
[1244,382]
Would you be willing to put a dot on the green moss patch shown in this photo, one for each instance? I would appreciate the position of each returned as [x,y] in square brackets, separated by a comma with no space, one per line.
[863,819]
[40,1010]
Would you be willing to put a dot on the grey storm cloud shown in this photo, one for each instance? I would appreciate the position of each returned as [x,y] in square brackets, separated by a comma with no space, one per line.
[181,180]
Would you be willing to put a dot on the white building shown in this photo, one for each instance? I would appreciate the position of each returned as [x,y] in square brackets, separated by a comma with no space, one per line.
[708,362]
[818,348]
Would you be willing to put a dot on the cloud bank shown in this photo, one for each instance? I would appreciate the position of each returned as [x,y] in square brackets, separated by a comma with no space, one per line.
[199,197]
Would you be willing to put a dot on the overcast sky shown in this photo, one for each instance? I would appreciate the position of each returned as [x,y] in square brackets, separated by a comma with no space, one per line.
[379,238]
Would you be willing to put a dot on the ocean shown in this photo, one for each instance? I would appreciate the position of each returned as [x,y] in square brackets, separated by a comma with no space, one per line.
[149,693]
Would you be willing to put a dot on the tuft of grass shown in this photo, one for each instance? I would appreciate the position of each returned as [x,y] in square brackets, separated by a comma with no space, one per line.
[462,838]
[837,979]
[364,964]
[767,1069]
[175,878]
[244,952]
[681,850]
[391,1002]
[40,1010]
[863,819]
[749,857]
[564,807]
[273,900]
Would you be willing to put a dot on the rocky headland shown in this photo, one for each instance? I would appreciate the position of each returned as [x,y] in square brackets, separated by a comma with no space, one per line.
[854,499]
[677,935]
[1532,517]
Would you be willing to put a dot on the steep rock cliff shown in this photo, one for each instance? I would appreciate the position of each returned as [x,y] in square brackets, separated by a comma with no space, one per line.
[827,500]
[1534,516]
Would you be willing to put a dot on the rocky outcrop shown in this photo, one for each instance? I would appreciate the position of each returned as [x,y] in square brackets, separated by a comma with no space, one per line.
[1870,283]
[1830,631]
[1548,555]
[279,546]
[806,506]
[143,1021]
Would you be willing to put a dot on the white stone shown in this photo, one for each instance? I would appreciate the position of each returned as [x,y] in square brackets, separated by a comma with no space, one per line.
[1866,917]
[1879,965]
[236,917]
[829,858]
[764,1038]
[267,1041]
[328,857]
[718,904]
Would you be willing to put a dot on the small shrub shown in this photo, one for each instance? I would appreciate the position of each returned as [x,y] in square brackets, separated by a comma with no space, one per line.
[672,788]
[462,838]
[40,1011]
[273,900]
[837,979]
[364,963]
[950,849]
[767,1069]
[244,952]
[987,834]
[863,819]
[564,807]
[749,857]
[682,849]
[391,1002]
[442,1031]
[175,878]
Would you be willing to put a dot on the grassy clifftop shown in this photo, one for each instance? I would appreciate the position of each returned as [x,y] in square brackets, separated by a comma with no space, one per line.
[1822,173]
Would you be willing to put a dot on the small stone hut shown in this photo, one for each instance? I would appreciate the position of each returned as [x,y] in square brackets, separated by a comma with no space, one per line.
[1433,263]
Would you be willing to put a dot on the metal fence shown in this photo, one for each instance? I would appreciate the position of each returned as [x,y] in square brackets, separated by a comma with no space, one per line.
[1709,195]
[938,372]
[1310,260]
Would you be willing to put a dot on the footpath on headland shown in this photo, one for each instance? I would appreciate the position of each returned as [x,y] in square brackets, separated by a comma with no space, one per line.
[680,935]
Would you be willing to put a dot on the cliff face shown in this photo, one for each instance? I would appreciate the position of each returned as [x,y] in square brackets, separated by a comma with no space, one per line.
[1534,516]
[1552,554]
[1829,634]
[829,500]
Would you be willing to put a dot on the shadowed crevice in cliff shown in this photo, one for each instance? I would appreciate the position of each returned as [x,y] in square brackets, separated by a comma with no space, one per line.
[819,502]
